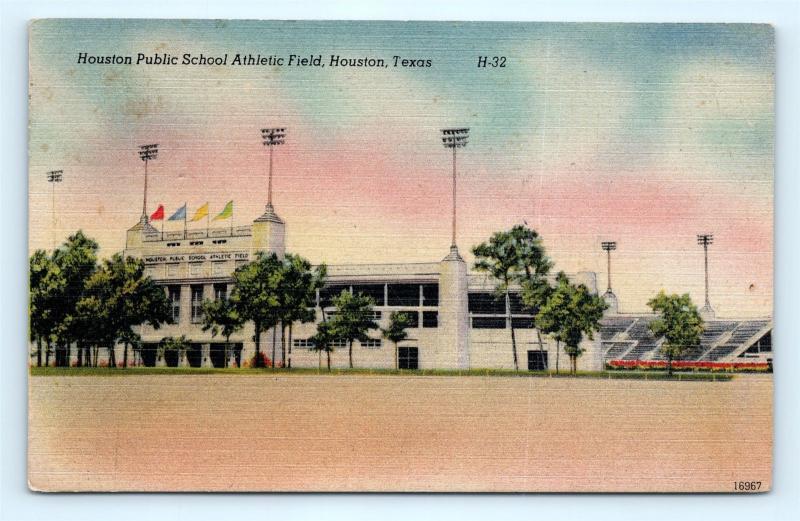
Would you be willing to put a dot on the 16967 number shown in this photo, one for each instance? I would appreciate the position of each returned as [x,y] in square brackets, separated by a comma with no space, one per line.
[746,486]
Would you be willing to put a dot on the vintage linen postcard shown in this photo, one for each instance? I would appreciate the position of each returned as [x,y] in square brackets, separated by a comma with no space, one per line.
[400,256]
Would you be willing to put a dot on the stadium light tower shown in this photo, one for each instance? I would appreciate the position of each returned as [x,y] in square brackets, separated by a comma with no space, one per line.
[706,240]
[53,177]
[454,138]
[608,247]
[272,137]
[147,153]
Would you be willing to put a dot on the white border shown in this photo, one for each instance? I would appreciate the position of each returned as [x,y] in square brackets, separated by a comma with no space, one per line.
[17,503]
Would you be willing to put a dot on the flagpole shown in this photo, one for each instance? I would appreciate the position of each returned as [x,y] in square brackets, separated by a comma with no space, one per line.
[231,218]
[185,211]
[162,227]
[207,215]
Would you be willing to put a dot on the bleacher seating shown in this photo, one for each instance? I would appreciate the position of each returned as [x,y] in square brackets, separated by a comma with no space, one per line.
[615,350]
[612,326]
[744,331]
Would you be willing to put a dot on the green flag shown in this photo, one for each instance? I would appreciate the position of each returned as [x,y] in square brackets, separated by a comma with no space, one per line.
[226,212]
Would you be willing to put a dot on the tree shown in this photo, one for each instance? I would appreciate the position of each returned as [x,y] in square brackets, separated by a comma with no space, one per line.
[571,311]
[512,256]
[75,261]
[353,319]
[396,331]
[297,293]
[323,340]
[679,323]
[45,283]
[118,297]
[255,295]
[222,318]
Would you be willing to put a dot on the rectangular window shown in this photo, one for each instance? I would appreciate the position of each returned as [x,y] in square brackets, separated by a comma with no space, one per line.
[522,322]
[488,322]
[371,290]
[172,270]
[174,295]
[430,319]
[413,318]
[404,294]
[408,358]
[339,343]
[220,291]
[303,343]
[486,304]
[430,294]
[537,360]
[372,343]
[517,306]
[327,294]
[197,303]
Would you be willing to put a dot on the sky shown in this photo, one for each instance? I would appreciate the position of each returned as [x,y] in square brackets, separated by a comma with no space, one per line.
[642,134]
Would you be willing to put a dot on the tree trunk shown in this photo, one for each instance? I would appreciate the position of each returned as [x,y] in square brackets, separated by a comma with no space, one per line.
[226,351]
[112,357]
[329,360]
[511,326]
[38,351]
[289,348]
[47,355]
[257,357]
[396,357]
[274,343]
[669,364]
[350,353]
[125,355]
[558,350]
[283,344]
[80,353]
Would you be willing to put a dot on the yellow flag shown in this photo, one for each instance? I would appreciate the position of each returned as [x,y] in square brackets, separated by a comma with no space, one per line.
[200,213]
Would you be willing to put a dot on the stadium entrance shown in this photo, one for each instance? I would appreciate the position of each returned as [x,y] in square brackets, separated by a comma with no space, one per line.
[537,360]
[408,358]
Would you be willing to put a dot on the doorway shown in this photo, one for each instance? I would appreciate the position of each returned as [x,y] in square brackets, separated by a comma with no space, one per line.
[408,358]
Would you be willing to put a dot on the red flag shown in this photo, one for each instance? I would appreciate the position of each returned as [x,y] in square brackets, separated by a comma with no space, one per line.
[158,215]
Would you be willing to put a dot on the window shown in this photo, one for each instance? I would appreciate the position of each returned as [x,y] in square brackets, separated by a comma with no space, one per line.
[195,243]
[376,315]
[537,360]
[517,307]
[302,343]
[197,303]
[408,358]
[430,294]
[430,319]
[404,294]
[371,290]
[220,291]
[338,343]
[486,304]
[220,241]
[522,322]
[172,270]
[195,268]
[174,295]
[488,322]
[327,294]
[372,343]
[173,244]
[413,318]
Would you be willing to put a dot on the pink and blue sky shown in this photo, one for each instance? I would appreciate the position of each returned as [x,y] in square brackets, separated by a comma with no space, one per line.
[643,134]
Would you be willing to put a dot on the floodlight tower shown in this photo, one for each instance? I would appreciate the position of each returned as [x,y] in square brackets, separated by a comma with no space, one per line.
[272,137]
[53,177]
[706,240]
[146,153]
[608,247]
[454,138]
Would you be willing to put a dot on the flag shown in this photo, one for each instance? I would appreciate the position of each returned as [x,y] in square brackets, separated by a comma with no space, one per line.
[226,212]
[180,214]
[158,215]
[200,213]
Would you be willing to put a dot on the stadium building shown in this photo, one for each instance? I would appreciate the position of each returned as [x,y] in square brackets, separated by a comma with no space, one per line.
[456,322]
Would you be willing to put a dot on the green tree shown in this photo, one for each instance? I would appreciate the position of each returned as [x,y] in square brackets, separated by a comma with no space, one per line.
[571,311]
[222,318]
[75,261]
[45,284]
[297,294]
[396,332]
[353,318]
[323,340]
[679,323]
[514,256]
[255,295]
[117,298]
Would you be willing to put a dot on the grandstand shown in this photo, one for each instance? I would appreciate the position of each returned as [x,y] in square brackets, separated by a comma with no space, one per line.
[628,338]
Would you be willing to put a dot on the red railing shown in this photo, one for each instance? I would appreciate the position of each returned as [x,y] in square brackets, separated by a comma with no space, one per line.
[689,365]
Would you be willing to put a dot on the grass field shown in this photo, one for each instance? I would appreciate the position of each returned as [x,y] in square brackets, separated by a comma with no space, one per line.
[354,432]
[134,371]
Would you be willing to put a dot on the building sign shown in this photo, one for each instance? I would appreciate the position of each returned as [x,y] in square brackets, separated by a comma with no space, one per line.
[197,257]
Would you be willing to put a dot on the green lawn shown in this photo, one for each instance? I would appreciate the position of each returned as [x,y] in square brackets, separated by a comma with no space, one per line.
[133,371]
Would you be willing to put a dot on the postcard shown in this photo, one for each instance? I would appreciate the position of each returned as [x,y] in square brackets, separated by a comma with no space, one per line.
[400,256]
